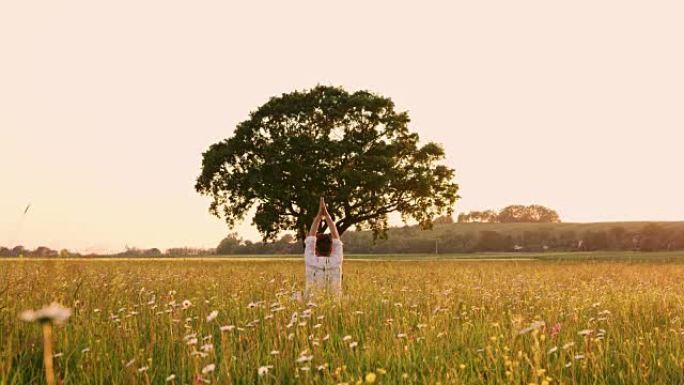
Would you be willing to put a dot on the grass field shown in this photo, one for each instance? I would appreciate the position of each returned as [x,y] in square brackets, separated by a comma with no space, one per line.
[588,321]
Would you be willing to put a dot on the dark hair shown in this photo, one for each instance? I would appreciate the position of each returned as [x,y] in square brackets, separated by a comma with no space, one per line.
[323,245]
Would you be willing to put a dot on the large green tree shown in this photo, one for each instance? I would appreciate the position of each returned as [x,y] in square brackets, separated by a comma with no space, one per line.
[352,148]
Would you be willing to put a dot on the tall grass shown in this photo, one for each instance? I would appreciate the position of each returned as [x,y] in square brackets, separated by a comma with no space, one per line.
[142,322]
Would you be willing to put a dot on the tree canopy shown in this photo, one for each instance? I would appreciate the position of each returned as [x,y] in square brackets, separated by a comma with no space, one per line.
[512,214]
[353,148]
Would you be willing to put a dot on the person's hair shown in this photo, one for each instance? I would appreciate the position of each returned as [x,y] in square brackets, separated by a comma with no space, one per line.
[323,245]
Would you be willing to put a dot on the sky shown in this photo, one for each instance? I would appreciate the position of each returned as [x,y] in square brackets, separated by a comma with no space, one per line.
[106,107]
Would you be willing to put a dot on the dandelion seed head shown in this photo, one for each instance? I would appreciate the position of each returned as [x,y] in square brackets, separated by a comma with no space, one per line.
[55,313]
[212,316]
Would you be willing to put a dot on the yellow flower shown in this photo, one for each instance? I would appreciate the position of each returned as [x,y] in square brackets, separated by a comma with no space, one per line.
[381,371]
[370,377]
[462,366]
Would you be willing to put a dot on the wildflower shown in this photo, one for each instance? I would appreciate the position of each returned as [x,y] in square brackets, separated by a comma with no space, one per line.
[143,369]
[555,329]
[192,341]
[585,332]
[370,377]
[346,338]
[129,363]
[533,326]
[263,370]
[353,344]
[401,335]
[171,378]
[579,357]
[304,358]
[55,313]
[186,304]
[57,355]
[552,350]
[275,352]
[208,369]
[86,350]
[568,345]
[212,316]
[227,328]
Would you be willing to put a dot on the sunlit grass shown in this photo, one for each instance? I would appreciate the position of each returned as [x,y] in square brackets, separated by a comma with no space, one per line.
[191,322]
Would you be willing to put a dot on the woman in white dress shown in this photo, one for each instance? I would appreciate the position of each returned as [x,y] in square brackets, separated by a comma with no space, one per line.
[323,256]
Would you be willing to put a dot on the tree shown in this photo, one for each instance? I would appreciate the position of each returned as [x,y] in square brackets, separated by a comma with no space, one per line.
[443,220]
[655,237]
[229,244]
[43,251]
[19,251]
[153,252]
[354,149]
[528,214]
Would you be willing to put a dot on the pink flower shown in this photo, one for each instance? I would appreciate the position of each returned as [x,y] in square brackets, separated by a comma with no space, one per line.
[555,330]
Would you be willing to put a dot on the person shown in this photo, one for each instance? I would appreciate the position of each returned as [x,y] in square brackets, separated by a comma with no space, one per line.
[323,255]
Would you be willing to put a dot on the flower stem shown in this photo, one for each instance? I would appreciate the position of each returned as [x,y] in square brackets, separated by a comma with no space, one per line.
[47,353]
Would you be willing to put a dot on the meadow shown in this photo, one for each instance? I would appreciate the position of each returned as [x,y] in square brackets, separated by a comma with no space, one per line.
[220,321]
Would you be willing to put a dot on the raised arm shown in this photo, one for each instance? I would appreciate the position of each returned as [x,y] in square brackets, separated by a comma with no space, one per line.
[317,221]
[329,221]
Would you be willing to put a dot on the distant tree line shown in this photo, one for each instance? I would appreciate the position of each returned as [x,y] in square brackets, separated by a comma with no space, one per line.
[445,238]
[46,252]
[512,214]
[21,251]
[234,245]
[457,238]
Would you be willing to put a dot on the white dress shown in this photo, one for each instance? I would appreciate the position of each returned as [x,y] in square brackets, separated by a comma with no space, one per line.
[323,273]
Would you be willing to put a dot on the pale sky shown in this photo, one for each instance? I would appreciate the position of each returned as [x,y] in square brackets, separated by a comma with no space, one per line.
[106,107]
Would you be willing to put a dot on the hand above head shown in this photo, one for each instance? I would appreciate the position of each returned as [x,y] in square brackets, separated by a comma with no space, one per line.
[321,207]
[324,208]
